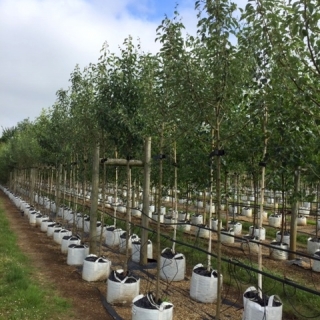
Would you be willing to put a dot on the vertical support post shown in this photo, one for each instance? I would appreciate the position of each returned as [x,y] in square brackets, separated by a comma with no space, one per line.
[159,209]
[175,213]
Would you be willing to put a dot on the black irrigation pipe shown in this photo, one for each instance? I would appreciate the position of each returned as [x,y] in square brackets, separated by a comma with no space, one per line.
[235,262]
[242,239]
[236,237]
[108,307]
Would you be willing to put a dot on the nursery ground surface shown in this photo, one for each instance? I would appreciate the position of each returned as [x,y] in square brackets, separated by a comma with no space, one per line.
[87,298]
[51,266]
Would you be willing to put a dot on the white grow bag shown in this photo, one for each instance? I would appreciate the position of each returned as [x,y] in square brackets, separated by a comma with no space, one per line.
[113,236]
[197,219]
[95,268]
[122,289]
[152,207]
[58,235]
[122,243]
[227,236]
[212,206]
[33,218]
[276,252]
[184,225]
[172,266]
[68,215]
[233,209]
[214,224]
[163,210]
[258,233]
[169,220]
[41,218]
[101,230]
[200,204]
[250,243]
[121,209]
[275,220]
[285,238]
[272,310]
[164,311]
[77,254]
[301,221]
[247,212]
[80,220]
[204,288]
[236,226]
[202,231]
[67,240]
[183,216]
[316,263]
[136,248]
[52,228]
[313,245]
[264,214]
[136,212]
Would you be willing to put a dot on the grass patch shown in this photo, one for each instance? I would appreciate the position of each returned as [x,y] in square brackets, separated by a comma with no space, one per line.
[21,296]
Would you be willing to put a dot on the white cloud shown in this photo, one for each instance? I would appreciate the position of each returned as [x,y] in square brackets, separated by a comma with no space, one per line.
[41,41]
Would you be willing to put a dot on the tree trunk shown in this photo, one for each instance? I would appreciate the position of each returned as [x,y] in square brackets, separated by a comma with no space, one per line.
[94,199]
[146,202]
[263,171]
[218,189]
[128,217]
[58,189]
[32,185]
[294,214]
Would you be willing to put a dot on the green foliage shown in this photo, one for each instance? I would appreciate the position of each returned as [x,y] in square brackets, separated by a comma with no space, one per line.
[210,90]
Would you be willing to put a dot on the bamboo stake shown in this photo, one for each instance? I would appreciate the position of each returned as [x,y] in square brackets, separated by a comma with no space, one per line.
[175,214]
[158,224]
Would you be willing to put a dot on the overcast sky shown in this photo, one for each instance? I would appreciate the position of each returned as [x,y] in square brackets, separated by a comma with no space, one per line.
[41,41]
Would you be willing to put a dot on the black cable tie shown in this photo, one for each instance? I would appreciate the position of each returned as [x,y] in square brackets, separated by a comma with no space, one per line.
[217,152]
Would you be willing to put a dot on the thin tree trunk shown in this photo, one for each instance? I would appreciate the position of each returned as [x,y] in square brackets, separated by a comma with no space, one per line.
[263,170]
[128,217]
[116,194]
[103,191]
[146,202]
[294,214]
[94,199]
[218,189]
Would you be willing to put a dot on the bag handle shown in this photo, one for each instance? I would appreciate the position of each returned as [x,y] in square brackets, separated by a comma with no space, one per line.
[271,299]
